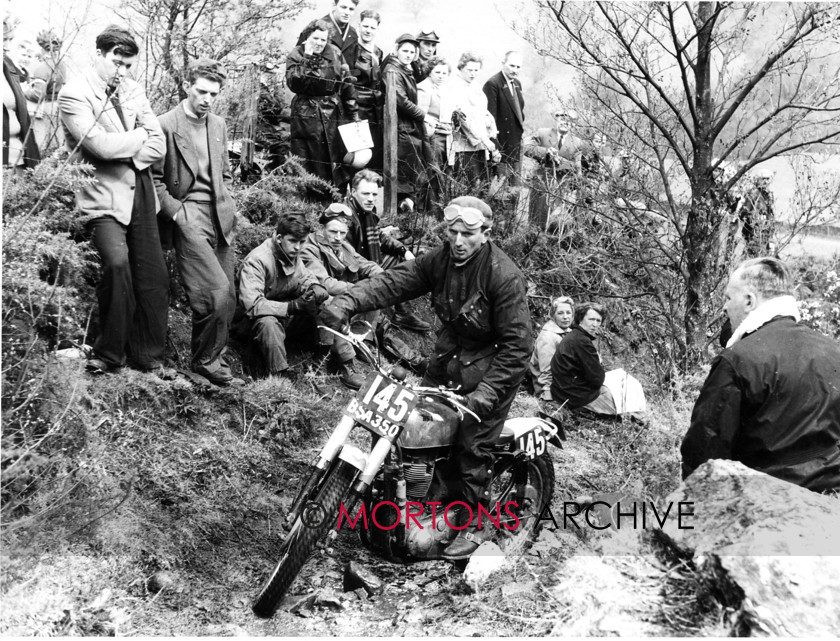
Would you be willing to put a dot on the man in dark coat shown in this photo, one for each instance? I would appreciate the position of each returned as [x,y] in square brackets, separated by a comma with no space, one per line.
[324,99]
[342,34]
[482,349]
[368,73]
[427,44]
[192,183]
[26,155]
[772,397]
[506,104]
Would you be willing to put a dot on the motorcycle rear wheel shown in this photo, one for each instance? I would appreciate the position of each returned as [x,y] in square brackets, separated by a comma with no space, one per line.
[539,492]
[302,539]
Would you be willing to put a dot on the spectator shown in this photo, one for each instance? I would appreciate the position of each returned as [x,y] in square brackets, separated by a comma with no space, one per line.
[560,324]
[342,34]
[755,210]
[366,237]
[20,149]
[427,44]
[474,125]
[108,116]
[435,97]
[396,73]
[192,183]
[559,153]
[317,75]
[368,74]
[337,266]
[772,397]
[506,105]
[48,77]
[578,379]
[279,295]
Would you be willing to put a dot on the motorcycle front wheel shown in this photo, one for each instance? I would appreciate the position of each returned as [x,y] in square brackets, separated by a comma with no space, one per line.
[304,536]
[531,485]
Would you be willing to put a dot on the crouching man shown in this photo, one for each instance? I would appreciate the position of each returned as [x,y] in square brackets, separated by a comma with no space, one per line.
[279,295]
[335,263]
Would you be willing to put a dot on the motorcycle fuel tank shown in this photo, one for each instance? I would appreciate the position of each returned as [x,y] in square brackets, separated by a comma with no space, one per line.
[430,424]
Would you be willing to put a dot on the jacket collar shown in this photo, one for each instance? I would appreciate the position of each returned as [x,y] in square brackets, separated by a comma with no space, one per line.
[763,314]
[554,328]
[584,332]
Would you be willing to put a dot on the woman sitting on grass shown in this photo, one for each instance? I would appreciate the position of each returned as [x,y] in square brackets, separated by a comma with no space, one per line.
[578,379]
[560,324]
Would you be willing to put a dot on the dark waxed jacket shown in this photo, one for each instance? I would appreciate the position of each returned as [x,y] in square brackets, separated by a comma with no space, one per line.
[772,402]
[576,370]
[366,237]
[486,336]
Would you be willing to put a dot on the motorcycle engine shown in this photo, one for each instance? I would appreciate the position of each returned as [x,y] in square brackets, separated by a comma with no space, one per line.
[419,470]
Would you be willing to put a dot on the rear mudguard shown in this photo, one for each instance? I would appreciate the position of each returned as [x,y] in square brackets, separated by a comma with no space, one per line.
[517,428]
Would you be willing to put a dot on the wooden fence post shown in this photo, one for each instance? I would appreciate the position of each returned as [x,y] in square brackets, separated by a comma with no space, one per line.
[389,142]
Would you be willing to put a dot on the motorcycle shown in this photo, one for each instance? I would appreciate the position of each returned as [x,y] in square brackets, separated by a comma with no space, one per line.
[413,430]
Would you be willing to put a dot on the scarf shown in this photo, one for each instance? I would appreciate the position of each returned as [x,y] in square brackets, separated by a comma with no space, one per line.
[763,314]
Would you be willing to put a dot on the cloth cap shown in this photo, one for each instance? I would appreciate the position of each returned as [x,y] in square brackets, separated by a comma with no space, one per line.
[428,36]
[406,37]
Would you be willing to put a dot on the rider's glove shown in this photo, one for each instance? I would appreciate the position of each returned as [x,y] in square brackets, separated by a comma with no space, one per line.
[336,313]
[317,293]
[302,306]
[482,400]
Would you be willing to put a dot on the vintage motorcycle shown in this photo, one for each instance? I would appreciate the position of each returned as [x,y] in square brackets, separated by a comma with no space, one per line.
[413,430]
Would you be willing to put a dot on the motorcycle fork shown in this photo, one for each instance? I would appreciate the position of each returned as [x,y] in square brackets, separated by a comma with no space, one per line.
[318,471]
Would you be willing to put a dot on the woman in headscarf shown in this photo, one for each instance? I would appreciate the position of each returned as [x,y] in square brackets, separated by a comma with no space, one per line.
[317,74]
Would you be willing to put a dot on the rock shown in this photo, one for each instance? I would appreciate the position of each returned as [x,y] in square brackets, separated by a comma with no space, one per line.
[355,577]
[160,581]
[485,561]
[770,547]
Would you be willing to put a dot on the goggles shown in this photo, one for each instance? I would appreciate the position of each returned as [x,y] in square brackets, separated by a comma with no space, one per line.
[470,216]
[336,210]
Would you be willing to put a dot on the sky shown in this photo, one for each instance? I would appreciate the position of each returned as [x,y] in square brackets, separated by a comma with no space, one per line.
[482,26]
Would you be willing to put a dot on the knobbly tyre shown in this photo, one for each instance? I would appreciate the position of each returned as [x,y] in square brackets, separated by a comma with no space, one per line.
[413,430]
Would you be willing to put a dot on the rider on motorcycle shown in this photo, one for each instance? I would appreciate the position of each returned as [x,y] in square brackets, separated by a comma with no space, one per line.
[479,295]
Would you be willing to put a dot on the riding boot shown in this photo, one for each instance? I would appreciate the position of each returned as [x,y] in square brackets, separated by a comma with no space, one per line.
[404,317]
[467,541]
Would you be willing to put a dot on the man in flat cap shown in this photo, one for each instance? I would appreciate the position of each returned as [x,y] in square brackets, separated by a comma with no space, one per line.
[427,42]
[482,349]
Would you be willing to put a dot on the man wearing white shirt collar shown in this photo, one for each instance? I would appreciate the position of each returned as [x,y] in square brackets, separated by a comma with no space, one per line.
[772,397]
[506,104]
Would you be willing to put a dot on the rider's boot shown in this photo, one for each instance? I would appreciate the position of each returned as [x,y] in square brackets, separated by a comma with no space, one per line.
[467,542]
[348,375]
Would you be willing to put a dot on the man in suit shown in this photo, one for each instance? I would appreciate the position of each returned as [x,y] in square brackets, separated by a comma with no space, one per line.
[192,184]
[506,104]
[559,154]
[342,34]
[109,118]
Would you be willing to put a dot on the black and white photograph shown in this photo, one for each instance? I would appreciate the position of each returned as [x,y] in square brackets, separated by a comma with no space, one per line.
[368,318]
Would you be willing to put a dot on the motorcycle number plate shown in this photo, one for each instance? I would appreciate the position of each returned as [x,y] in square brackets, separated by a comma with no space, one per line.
[382,406]
[533,444]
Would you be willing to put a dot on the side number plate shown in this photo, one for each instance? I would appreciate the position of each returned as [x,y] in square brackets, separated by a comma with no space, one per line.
[533,443]
[382,406]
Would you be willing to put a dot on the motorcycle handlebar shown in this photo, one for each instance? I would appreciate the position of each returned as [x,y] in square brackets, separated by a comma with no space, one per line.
[457,401]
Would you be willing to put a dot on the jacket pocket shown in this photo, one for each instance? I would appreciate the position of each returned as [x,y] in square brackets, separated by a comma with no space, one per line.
[474,317]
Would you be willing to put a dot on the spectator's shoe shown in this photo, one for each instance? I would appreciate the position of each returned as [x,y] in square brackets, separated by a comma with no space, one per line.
[407,319]
[467,542]
[97,366]
[220,377]
[348,375]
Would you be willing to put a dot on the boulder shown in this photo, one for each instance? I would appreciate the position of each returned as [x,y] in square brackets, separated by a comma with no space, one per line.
[484,562]
[769,548]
